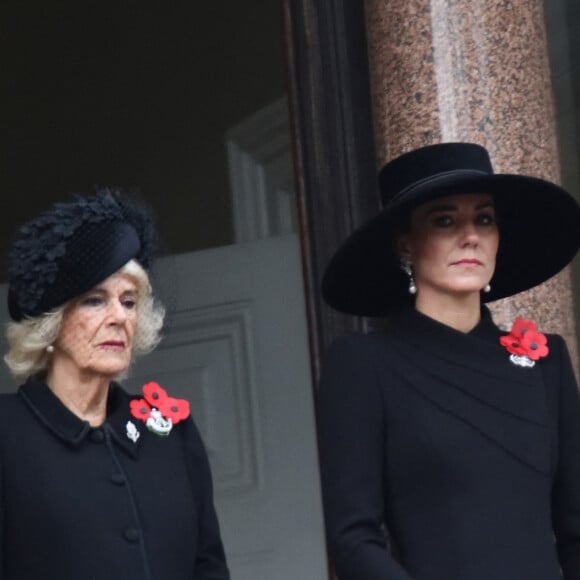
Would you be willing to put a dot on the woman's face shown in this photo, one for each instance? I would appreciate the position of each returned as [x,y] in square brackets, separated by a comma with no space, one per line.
[452,245]
[96,335]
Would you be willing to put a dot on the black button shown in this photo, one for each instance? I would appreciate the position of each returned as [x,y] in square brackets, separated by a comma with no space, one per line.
[118,479]
[97,435]
[131,535]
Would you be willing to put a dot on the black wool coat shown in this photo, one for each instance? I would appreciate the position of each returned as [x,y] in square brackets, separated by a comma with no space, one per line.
[434,444]
[82,503]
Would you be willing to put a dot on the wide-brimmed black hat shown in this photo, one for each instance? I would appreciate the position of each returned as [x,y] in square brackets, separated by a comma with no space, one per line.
[74,245]
[539,224]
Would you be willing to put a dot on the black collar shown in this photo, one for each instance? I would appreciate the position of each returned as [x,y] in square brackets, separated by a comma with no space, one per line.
[65,425]
[412,323]
[479,349]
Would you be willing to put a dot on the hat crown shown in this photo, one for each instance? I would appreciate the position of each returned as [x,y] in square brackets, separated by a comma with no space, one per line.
[74,245]
[428,164]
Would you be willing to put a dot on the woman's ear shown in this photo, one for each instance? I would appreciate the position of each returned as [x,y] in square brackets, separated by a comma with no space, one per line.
[403,247]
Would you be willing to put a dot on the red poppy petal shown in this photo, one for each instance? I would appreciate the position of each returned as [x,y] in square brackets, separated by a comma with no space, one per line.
[512,344]
[184,409]
[535,345]
[517,350]
[538,353]
[175,409]
[154,394]
[140,409]
[509,340]
[521,327]
[537,340]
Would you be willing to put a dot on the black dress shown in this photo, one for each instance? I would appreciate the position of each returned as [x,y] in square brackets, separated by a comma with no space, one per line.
[82,503]
[467,463]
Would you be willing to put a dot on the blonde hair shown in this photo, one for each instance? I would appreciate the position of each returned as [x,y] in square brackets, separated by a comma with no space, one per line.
[30,338]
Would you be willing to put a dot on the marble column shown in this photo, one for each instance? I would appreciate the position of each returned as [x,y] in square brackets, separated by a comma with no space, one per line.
[472,70]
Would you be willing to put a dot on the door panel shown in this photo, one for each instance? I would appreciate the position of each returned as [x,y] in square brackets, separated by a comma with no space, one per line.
[236,346]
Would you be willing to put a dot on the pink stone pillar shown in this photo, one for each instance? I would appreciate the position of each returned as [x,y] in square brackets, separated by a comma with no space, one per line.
[457,70]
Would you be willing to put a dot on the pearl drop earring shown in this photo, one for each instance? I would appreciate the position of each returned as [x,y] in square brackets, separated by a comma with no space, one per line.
[487,288]
[50,349]
[406,266]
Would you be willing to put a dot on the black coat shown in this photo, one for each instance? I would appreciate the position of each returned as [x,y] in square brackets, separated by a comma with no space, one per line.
[469,463]
[82,503]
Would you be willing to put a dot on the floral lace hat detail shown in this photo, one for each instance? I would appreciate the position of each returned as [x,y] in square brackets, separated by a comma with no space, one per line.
[74,245]
[158,410]
[524,343]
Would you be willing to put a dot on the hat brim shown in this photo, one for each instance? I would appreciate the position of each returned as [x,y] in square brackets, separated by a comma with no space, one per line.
[539,224]
[95,252]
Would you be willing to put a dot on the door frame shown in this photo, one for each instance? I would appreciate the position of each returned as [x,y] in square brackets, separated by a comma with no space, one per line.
[333,145]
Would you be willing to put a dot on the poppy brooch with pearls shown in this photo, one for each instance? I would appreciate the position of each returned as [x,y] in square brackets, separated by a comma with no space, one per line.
[524,343]
[158,410]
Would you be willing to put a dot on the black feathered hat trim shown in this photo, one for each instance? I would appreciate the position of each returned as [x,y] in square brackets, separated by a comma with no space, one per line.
[73,246]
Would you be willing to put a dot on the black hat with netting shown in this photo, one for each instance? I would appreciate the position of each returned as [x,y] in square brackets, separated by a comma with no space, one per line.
[73,246]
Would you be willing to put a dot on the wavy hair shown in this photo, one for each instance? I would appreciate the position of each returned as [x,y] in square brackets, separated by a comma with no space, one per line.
[30,338]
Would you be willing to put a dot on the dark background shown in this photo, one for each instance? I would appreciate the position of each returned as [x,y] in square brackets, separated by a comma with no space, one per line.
[133,94]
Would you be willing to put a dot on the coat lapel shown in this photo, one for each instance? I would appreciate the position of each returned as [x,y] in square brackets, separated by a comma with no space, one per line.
[65,425]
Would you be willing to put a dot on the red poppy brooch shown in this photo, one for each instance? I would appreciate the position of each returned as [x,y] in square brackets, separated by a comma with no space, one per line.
[524,343]
[157,410]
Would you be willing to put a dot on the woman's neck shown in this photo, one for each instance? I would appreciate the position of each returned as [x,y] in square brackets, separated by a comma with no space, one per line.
[86,397]
[462,313]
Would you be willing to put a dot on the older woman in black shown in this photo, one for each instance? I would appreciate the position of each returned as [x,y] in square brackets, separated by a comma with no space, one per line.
[450,442]
[96,484]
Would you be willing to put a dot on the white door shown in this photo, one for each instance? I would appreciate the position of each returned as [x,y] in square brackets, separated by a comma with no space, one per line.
[236,347]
